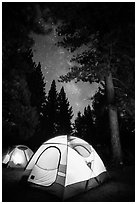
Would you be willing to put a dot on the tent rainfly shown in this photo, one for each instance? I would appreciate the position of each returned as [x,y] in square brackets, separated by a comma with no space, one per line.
[65,166]
[17,157]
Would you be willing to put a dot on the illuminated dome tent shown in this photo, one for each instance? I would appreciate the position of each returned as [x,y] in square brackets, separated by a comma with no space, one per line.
[18,157]
[65,166]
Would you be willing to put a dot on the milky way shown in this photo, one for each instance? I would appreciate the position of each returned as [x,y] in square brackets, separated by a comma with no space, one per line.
[55,61]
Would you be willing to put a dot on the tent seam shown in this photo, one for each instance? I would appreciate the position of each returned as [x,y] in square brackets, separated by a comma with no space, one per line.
[66,167]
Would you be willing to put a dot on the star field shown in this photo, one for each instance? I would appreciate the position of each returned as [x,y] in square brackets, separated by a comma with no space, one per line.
[55,61]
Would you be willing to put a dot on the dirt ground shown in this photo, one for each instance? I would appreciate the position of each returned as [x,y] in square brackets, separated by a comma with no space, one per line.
[119,188]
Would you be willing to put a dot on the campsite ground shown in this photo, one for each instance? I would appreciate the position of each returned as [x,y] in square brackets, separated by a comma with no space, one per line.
[119,188]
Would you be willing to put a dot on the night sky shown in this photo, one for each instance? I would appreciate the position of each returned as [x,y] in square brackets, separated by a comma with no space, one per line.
[55,61]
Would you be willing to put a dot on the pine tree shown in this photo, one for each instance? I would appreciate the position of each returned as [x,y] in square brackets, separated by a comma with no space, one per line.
[38,96]
[100,111]
[20,111]
[78,125]
[49,122]
[22,119]
[23,75]
[90,123]
[65,114]
[37,88]
[84,125]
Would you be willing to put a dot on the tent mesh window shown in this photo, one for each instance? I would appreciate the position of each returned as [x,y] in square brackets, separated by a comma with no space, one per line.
[22,147]
[84,152]
[47,161]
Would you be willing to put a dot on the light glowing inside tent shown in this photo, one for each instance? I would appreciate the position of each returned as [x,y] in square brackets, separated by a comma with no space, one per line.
[6,158]
[18,158]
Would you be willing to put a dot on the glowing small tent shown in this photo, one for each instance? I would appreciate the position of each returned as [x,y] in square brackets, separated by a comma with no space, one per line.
[5,156]
[17,157]
[65,166]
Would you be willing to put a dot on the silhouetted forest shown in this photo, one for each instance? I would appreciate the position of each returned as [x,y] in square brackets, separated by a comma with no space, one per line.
[30,115]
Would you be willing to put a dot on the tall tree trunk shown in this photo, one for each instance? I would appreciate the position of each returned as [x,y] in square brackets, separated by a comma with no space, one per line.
[113,120]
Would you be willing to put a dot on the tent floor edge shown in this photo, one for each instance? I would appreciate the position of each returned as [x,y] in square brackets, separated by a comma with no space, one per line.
[54,190]
[98,180]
